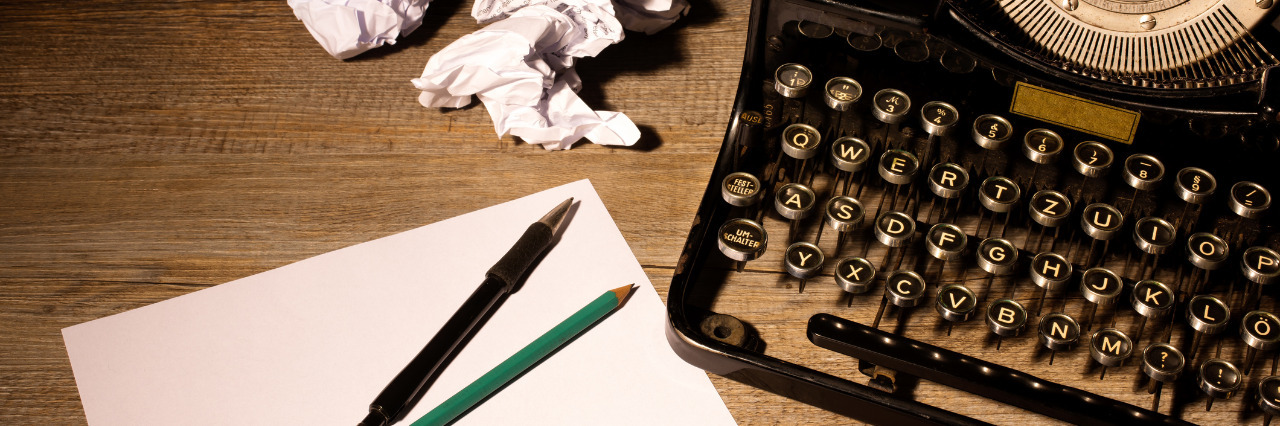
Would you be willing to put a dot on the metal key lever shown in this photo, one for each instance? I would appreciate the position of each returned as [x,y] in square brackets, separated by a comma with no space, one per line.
[973,375]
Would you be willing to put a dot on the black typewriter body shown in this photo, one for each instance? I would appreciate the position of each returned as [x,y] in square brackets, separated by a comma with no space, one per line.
[1127,146]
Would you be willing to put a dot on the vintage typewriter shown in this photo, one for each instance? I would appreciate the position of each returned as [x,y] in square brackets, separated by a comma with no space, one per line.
[925,209]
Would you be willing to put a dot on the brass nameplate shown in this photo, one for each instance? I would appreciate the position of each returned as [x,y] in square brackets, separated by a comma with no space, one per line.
[1073,112]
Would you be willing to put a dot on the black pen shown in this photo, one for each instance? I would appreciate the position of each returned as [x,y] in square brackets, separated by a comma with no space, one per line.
[404,390]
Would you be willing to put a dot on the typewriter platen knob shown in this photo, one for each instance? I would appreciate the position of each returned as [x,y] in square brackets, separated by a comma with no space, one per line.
[1092,159]
[1249,200]
[1042,146]
[937,118]
[841,93]
[991,131]
[1194,185]
[890,106]
[792,80]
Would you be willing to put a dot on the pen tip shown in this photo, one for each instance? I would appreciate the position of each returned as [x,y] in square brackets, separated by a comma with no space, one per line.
[555,218]
[622,292]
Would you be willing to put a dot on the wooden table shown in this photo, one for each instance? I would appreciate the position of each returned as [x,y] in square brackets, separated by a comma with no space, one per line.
[149,149]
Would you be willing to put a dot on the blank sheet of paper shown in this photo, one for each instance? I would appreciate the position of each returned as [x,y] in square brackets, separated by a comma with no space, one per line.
[313,342]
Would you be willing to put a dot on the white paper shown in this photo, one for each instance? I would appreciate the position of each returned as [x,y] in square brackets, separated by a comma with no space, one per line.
[346,28]
[519,67]
[313,342]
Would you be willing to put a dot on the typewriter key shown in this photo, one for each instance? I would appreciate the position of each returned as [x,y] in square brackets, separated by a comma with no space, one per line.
[792,80]
[1153,300]
[895,230]
[1006,318]
[955,303]
[890,106]
[801,142]
[997,257]
[937,118]
[1269,398]
[1261,267]
[1092,159]
[1058,332]
[947,181]
[1100,286]
[741,189]
[990,131]
[1260,330]
[1249,200]
[904,289]
[849,155]
[1100,222]
[742,240]
[1219,379]
[1143,173]
[1049,209]
[1206,252]
[998,195]
[794,201]
[899,168]
[814,30]
[1163,363]
[945,242]
[1153,236]
[1050,272]
[1042,146]
[803,260]
[843,214]
[1109,347]
[1194,186]
[842,93]
[854,275]
[1206,315]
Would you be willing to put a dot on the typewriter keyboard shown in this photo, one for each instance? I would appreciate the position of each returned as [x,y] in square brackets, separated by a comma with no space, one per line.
[880,182]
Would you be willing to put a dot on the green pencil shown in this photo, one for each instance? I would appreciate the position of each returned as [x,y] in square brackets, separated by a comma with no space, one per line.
[525,358]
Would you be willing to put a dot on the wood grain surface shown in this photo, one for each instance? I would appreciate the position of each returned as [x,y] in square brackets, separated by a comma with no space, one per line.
[150,148]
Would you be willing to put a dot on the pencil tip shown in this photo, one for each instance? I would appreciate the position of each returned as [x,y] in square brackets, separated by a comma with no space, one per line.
[622,292]
[555,217]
